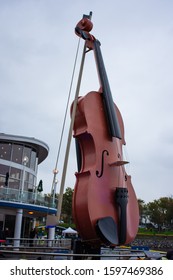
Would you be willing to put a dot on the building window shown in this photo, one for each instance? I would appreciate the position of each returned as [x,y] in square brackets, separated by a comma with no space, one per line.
[31,179]
[2,181]
[4,169]
[5,151]
[15,173]
[33,160]
[14,184]
[31,182]
[27,154]
[28,181]
[17,153]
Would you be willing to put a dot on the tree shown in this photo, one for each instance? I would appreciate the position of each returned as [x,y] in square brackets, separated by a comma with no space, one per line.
[143,211]
[141,208]
[161,211]
[169,211]
[154,213]
[67,205]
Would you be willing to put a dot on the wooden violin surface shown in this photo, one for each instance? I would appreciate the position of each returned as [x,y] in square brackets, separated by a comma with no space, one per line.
[105,207]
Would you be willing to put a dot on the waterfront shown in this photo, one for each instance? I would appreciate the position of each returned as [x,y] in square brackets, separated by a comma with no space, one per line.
[59,249]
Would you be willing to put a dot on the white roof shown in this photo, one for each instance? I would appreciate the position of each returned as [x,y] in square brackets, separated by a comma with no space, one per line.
[69,230]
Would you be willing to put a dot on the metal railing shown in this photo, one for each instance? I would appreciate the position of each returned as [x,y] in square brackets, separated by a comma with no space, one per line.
[16,195]
[64,243]
[30,248]
[61,249]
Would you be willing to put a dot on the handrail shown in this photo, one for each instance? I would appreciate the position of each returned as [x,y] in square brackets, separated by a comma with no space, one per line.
[63,248]
[39,242]
[29,197]
[70,255]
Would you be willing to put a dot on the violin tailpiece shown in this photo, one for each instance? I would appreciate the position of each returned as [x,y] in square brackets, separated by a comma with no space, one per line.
[121,198]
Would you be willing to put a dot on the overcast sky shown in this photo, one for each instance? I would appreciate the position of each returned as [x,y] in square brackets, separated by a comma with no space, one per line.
[37,52]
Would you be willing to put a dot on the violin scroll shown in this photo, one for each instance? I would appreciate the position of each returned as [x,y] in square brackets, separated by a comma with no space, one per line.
[85,24]
[83,28]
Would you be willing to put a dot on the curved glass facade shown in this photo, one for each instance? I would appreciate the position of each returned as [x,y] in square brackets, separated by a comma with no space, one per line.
[18,166]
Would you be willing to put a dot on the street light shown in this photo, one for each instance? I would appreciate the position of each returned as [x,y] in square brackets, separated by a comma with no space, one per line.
[55,181]
[54,191]
[19,212]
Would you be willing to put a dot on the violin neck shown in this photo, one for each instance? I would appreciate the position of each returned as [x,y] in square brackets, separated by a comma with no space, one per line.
[109,107]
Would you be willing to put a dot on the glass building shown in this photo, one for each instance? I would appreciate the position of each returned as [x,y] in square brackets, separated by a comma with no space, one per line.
[19,160]
[19,155]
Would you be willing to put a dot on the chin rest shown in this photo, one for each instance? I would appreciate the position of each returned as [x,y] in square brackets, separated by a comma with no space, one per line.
[107,230]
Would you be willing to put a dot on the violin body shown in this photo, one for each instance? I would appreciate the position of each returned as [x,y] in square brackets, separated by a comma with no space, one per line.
[105,207]
[94,197]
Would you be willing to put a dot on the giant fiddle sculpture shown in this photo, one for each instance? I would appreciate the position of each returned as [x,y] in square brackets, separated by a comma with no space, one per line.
[105,207]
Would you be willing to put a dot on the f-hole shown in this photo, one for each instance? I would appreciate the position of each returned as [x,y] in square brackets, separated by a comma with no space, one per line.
[100,174]
[78,155]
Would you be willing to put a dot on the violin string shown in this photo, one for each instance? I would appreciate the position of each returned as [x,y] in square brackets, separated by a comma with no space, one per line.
[125,167]
[126,158]
[122,168]
[118,167]
[65,115]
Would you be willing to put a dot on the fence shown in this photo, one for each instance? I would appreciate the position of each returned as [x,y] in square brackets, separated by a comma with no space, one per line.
[15,195]
[61,249]
[40,243]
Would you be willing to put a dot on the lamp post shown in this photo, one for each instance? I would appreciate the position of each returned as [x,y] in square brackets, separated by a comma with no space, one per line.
[19,212]
[54,191]
[51,232]
[55,181]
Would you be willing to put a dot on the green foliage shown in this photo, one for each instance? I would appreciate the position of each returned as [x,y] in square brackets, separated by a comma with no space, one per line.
[67,206]
[66,225]
[158,212]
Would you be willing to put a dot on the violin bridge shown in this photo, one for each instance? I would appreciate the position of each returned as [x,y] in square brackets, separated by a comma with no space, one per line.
[119,163]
